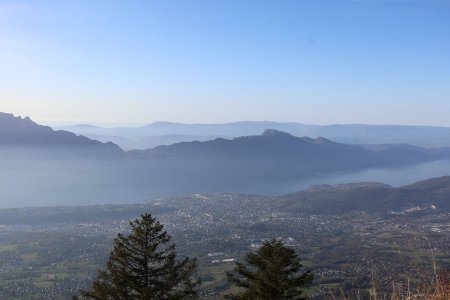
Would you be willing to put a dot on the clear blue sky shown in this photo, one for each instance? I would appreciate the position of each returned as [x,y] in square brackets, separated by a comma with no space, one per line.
[317,61]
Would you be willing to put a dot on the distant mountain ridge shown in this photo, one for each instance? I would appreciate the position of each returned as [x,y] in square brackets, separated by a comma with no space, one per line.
[270,143]
[280,149]
[274,150]
[431,194]
[165,133]
[23,133]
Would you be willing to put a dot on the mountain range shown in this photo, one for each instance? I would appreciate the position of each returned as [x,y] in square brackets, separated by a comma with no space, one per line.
[283,153]
[273,150]
[165,133]
[273,162]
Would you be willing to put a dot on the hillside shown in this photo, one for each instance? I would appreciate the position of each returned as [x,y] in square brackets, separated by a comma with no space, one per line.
[284,152]
[24,135]
[430,194]
[270,143]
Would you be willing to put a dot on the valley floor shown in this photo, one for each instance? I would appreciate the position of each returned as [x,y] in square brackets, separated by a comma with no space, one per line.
[52,256]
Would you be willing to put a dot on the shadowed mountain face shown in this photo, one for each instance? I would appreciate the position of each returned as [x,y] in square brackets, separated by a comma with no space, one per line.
[287,153]
[270,144]
[430,194]
[24,135]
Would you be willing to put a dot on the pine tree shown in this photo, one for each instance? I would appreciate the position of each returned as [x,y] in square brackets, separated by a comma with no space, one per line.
[273,272]
[143,265]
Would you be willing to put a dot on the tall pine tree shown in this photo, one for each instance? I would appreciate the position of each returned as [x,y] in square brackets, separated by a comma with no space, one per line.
[272,273]
[143,265]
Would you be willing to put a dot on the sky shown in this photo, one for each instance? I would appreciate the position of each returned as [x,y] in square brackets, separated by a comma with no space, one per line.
[309,61]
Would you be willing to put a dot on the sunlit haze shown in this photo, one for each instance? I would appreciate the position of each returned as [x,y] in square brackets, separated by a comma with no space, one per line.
[319,62]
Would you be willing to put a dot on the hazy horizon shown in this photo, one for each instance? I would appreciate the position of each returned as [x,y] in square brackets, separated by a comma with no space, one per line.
[137,125]
[313,62]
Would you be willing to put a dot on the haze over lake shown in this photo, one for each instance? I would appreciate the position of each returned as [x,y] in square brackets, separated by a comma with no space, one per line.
[79,182]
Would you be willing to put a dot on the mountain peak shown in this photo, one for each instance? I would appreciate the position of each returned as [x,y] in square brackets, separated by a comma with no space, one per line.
[23,132]
[164,124]
[282,134]
[276,133]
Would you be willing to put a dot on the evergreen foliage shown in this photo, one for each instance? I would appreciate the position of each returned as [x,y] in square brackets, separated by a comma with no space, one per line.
[143,265]
[273,272]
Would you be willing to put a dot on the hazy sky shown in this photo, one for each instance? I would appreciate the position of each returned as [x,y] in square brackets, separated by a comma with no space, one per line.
[135,62]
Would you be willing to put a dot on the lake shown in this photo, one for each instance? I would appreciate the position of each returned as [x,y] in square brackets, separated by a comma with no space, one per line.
[48,183]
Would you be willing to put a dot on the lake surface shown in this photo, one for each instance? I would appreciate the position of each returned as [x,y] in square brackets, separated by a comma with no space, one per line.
[48,183]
